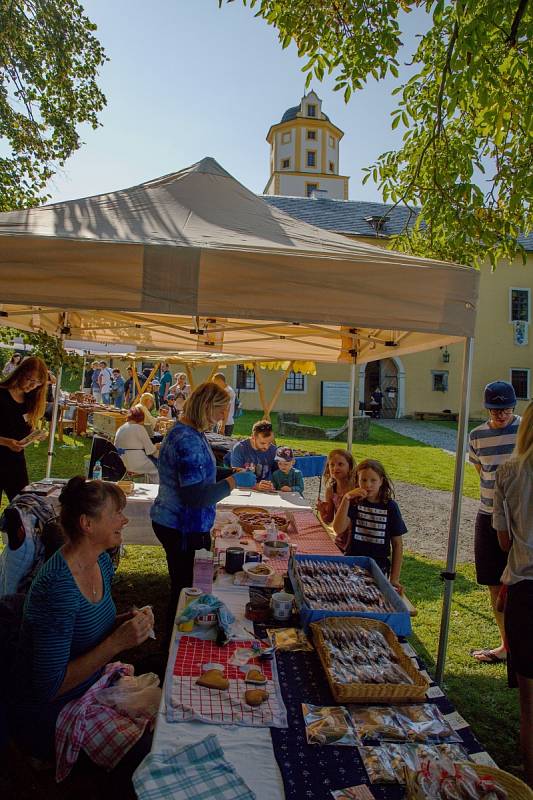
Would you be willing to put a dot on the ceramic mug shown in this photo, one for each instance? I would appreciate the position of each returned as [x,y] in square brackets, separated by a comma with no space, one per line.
[282,606]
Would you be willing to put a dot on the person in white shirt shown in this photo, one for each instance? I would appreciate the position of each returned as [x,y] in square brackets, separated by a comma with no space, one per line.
[135,447]
[227,425]
[105,379]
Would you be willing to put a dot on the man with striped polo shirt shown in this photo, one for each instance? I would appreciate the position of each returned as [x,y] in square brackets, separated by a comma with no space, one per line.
[490,445]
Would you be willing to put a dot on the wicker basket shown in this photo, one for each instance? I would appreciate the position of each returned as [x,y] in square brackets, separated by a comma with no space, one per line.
[370,692]
[515,788]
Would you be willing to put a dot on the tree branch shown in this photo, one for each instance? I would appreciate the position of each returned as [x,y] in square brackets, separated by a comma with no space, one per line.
[445,71]
[522,5]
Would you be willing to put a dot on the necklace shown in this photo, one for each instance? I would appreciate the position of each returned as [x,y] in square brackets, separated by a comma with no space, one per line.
[85,568]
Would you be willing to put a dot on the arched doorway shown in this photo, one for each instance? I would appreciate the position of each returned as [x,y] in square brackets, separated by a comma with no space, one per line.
[388,374]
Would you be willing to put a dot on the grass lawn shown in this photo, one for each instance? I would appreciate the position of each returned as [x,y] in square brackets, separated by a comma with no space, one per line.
[479,691]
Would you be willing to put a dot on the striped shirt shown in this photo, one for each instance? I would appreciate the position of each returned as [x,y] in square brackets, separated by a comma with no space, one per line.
[490,447]
[59,625]
[373,526]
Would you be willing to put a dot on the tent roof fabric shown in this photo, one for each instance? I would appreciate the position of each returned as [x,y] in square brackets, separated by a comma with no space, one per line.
[140,265]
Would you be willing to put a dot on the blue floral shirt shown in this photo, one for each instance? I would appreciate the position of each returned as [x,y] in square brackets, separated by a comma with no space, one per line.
[185,459]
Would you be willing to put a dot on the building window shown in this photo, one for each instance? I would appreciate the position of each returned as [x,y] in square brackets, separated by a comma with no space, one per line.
[286,163]
[295,382]
[311,134]
[311,110]
[331,141]
[332,166]
[311,158]
[520,381]
[439,381]
[245,379]
[520,305]
[310,188]
[286,137]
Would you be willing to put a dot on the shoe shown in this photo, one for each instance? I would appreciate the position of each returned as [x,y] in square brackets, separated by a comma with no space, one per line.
[486,656]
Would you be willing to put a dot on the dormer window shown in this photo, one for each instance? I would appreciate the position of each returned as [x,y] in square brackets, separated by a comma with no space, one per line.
[311,110]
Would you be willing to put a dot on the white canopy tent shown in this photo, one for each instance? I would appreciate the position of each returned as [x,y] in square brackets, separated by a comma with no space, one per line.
[194,260]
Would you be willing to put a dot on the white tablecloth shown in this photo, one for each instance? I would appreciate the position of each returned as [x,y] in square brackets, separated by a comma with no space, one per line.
[249,750]
[139,528]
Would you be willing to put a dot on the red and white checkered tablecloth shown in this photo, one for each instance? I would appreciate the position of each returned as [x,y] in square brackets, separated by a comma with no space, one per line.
[311,540]
[187,701]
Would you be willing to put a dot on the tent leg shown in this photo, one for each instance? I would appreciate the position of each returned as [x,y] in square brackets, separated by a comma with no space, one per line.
[277,390]
[351,408]
[53,423]
[83,373]
[261,389]
[455,515]
[190,377]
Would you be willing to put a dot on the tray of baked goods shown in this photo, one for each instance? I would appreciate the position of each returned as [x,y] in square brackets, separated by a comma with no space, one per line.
[252,519]
[364,661]
[346,586]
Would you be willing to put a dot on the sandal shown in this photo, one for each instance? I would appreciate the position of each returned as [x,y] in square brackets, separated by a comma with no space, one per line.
[486,656]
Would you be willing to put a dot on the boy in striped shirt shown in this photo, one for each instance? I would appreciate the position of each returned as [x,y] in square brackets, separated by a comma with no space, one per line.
[490,445]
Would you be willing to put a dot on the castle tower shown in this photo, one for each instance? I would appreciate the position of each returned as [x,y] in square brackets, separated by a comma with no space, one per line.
[304,153]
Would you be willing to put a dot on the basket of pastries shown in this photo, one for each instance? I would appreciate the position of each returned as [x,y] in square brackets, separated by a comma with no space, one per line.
[252,519]
[364,662]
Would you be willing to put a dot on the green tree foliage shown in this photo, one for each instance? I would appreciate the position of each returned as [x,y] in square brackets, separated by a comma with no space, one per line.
[49,61]
[466,158]
[49,348]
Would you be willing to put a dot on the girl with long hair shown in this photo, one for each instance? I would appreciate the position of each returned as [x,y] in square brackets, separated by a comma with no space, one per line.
[339,478]
[513,520]
[22,405]
[373,519]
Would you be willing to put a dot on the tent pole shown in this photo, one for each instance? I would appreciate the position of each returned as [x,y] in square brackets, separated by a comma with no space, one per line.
[455,515]
[53,423]
[190,376]
[351,408]
[279,387]
[261,390]
[83,373]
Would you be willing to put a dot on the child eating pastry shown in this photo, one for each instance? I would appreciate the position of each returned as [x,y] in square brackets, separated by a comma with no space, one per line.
[286,478]
[373,519]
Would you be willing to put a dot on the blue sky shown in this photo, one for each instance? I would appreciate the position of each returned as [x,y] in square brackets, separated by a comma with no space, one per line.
[187,80]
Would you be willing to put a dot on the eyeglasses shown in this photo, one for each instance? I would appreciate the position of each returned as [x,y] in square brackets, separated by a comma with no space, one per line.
[500,412]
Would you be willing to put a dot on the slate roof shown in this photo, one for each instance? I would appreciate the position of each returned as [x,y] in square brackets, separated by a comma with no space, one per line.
[292,112]
[349,216]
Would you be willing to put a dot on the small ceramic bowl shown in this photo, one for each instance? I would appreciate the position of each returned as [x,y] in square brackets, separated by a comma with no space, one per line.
[277,548]
[259,572]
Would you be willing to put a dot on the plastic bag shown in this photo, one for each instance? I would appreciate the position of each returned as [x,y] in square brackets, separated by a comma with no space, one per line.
[388,762]
[291,639]
[328,725]
[425,723]
[377,723]
[137,696]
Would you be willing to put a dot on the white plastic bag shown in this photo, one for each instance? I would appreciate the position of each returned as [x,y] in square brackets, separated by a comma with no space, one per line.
[137,696]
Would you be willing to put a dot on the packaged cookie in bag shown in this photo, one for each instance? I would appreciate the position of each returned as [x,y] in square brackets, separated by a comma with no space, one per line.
[377,764]
[425,723]
[376,724]
[326,725]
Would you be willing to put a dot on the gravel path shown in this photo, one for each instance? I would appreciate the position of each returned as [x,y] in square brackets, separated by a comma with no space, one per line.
[435,435]
[426,513]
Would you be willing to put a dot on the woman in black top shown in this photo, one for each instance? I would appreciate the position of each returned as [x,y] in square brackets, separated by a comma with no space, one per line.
[22,404]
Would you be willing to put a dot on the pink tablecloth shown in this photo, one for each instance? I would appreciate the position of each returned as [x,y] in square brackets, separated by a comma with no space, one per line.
[310,538]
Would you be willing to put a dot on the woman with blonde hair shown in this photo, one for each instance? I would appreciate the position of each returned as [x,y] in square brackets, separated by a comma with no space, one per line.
[513,520]
[184,510]
[135,446]
[22,405]
[147,402]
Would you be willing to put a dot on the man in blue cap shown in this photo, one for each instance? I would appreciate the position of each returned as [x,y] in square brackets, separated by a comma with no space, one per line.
[490,445]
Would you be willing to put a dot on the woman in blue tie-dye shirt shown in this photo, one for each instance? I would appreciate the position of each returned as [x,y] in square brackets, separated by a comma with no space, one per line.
[184,510]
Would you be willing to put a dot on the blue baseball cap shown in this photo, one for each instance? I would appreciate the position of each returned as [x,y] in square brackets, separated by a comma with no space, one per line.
[499,394]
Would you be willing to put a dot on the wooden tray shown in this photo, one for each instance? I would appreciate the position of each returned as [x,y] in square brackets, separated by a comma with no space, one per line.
[369,692]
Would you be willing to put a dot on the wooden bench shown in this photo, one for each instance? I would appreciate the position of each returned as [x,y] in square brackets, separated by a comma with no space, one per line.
[436,415]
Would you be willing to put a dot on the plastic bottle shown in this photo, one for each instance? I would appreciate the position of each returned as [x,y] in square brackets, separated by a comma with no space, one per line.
[97,471]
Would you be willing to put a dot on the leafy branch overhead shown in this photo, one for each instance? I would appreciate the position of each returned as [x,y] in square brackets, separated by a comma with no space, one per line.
[465,107]
[49,62]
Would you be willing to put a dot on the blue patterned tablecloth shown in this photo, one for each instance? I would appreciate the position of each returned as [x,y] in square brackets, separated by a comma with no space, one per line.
[310,772]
